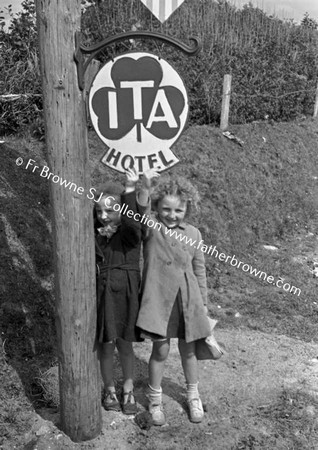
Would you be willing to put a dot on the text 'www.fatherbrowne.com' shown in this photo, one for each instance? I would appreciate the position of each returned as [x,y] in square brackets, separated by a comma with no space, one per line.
[233,261]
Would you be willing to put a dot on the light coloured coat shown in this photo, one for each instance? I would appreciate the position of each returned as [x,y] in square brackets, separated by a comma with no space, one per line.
[170,264]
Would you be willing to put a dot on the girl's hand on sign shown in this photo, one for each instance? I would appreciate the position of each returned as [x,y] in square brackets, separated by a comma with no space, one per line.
[149,178]
[147,181]
[131,179]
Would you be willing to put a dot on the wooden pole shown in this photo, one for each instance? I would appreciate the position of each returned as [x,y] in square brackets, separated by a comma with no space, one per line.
[225,109]
[316,104]
[67,154]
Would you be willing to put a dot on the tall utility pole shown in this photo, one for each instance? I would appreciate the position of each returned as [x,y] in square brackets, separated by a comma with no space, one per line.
[67,154]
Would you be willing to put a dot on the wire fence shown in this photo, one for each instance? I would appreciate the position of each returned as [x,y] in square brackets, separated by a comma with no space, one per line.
[225,107]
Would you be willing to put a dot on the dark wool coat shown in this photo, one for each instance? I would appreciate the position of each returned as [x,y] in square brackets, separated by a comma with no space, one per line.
[118,278]
[169,265]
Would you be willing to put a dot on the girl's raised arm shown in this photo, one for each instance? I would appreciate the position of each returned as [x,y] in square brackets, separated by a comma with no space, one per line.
[131,180]
[147,181]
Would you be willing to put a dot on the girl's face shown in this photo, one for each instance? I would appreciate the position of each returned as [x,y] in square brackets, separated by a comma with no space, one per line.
[171,210]
[105,212]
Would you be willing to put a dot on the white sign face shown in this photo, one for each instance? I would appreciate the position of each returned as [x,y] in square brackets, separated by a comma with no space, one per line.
[138,106]
[162,9]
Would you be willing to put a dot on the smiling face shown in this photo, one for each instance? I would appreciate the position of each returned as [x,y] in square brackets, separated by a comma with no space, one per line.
[105,213]
[171,210]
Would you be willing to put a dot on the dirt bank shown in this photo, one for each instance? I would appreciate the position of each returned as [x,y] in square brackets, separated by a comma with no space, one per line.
[259,202]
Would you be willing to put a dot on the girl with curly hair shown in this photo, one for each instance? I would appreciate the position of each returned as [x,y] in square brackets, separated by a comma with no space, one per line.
[174,291]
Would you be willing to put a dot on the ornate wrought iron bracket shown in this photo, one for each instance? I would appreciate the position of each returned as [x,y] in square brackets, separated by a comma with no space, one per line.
[93,51]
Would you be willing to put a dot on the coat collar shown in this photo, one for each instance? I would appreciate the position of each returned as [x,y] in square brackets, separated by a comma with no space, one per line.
[182,225]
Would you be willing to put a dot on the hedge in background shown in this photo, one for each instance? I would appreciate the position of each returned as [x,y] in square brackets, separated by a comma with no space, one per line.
[273,62]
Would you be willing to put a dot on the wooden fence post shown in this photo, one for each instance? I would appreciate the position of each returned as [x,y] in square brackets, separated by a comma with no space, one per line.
[73,237]
[225,108]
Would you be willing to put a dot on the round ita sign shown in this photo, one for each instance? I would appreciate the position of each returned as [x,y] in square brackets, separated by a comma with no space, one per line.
[138,106]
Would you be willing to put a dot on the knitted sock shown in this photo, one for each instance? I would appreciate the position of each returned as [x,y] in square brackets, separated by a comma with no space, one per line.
[154,395]
[110,389]
[192,391]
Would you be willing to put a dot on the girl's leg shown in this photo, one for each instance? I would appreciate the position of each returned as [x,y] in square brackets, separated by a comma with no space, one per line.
[160,352]
[127,359]
[106,357]
[189,361]
[190,369]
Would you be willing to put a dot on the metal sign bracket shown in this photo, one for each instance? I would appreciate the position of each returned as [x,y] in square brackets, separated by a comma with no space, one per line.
[81,50]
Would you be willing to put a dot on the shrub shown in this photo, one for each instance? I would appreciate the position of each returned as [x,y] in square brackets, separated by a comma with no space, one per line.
[274,63]
[19,71]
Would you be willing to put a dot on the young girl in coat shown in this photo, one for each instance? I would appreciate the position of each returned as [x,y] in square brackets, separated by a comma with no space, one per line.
[117,243]
[174,291]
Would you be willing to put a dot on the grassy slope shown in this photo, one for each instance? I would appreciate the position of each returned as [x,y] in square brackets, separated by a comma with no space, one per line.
[261,193]
[264,192]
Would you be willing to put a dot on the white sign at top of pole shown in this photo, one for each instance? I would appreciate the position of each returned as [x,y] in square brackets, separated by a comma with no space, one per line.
[138,107]
[162,9]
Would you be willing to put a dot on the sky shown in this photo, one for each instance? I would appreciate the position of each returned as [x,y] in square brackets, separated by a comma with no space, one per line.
[284,9]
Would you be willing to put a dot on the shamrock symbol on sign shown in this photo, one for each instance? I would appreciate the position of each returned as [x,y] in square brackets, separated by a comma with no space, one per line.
[138,99]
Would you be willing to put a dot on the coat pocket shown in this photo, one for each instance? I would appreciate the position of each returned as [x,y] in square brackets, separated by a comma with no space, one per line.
[117,281]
